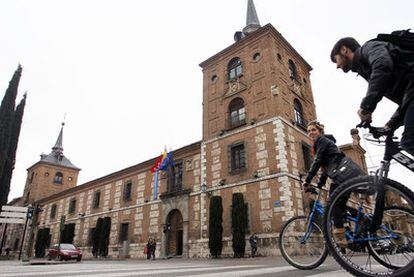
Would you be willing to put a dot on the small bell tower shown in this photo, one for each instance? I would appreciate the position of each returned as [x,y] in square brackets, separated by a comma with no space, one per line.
[52,174]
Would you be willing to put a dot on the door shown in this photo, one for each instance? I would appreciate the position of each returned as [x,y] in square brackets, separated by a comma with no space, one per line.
[175,233]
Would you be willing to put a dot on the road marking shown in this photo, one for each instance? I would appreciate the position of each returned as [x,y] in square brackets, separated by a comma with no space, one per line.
[247,272]
[97,270]
[167,271]
[337,273]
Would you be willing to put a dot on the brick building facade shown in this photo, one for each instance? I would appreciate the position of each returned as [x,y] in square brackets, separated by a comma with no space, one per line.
[257,100]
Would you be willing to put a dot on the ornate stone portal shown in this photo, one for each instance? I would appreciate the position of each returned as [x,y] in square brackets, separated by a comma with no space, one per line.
[174,238]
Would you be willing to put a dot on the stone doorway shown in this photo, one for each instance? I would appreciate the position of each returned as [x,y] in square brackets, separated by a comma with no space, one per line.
[175,233]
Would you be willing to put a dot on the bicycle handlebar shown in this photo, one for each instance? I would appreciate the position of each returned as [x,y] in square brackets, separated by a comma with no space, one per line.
[376,132]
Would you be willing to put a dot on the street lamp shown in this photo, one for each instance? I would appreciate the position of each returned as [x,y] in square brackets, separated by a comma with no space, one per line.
[204,190]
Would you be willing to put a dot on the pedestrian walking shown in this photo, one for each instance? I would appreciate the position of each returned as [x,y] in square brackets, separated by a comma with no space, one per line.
[253,244]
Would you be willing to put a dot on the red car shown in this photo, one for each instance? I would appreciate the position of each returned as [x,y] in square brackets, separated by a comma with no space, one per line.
[67,252]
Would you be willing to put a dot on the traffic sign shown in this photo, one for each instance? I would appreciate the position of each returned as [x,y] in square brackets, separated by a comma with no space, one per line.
[12,220]
[14,214]
[11,214]
[14,209]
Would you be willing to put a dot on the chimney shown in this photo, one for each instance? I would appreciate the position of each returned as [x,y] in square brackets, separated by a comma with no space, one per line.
[355,137]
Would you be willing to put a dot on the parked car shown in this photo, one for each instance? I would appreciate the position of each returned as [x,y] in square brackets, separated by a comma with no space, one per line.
[67,252]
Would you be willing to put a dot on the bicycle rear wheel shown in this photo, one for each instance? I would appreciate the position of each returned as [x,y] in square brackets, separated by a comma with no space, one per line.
[302,247]
[357,258]
[396,251]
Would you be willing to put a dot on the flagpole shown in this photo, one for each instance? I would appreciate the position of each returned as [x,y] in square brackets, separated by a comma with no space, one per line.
[156,185]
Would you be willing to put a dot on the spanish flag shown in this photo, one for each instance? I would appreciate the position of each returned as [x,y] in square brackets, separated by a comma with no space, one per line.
[159,161]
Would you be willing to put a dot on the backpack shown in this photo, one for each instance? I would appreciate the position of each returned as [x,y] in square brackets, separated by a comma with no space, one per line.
[403,39]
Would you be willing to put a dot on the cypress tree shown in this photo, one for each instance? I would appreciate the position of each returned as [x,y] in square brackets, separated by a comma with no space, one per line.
[215,227]
[7,119]
[8,168]
[104,242]
[97,234]
[238,225]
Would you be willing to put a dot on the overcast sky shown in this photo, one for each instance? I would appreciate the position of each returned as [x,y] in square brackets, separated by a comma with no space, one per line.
[126,73]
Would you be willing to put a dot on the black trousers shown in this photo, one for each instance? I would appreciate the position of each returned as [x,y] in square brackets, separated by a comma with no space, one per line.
[339,210]
[407,140]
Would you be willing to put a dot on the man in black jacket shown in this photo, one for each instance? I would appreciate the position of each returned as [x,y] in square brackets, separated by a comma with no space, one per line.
[389,71]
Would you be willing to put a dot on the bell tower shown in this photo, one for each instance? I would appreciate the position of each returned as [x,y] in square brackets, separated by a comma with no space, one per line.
[258,77]
[257,100]
[52,174]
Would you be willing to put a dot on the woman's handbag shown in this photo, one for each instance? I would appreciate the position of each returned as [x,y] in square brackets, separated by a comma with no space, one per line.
[346,170]
[145,250]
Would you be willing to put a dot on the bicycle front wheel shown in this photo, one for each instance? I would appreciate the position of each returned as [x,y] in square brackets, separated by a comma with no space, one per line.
[396,248]
[368,253]
[302,244]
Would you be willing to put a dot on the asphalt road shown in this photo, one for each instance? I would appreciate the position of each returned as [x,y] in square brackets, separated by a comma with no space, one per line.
[173,267]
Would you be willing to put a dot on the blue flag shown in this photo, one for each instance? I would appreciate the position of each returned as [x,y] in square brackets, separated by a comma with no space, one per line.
[168,161]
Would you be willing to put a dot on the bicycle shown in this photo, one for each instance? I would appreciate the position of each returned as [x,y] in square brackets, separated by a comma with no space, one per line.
[388,232]
[301,239]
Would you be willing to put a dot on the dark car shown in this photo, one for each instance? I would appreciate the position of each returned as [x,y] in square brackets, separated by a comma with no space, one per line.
[67,252]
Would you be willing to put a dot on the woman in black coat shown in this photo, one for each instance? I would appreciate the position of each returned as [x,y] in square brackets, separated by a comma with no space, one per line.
[328,158]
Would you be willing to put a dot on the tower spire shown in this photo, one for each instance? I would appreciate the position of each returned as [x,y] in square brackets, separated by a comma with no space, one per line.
[252,21]
[58,148]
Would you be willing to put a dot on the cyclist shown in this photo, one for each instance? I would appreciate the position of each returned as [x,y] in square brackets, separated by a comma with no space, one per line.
[329,159]
[389,71]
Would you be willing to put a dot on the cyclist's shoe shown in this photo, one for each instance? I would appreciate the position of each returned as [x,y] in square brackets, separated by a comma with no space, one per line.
[339,237]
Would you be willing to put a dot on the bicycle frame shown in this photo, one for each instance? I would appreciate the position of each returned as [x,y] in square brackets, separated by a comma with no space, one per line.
[356,220]
[316,208]
[391,152]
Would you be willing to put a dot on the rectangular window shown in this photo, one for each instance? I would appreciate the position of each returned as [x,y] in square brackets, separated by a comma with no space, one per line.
[53,211]
[123,233]
[127,191]
[178,172]
[72,206]
[96,199]
[307,157]
[175,177]
[238,157]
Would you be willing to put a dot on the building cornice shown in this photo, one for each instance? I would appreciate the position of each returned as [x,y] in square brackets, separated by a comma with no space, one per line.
[141,167]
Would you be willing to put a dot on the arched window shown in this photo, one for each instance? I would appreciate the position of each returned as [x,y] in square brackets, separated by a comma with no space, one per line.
[293,72]
[58,178]
[299,120]
[235,68]
[237,113]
